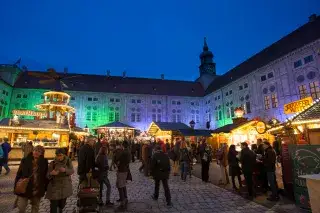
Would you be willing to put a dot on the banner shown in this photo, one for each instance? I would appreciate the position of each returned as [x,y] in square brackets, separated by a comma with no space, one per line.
[29,113]
[297,106]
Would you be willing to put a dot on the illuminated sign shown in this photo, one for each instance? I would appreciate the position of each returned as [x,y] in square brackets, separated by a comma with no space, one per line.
[29,113]
[297,106]
[261,127]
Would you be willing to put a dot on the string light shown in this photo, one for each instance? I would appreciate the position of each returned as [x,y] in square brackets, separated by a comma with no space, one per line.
[57,93]
[33,128]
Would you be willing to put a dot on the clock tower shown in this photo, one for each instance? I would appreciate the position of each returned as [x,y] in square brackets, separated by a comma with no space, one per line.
[207,67]
[206,58]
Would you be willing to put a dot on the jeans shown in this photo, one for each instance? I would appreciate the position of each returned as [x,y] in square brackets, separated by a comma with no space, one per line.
[5,165]
[249,182]
[23,203]
[56,206]
[165,187]
[184,169]
[105,181]
[272,183]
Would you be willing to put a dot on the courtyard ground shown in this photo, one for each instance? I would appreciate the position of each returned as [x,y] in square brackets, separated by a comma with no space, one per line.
[191,196]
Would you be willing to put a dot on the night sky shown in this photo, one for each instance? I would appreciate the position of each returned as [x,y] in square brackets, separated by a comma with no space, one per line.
[145,38]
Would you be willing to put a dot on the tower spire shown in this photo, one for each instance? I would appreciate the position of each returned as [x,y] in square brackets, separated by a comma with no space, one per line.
[205,45]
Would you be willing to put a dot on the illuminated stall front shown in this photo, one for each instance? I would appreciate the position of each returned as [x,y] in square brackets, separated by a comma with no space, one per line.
[116,131]
[241,130]
[50,127]
[167,130]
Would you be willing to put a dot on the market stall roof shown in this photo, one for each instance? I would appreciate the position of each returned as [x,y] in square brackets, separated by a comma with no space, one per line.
[310,115]
[229,127]
[116,124]
[166,126]
[34,125]
[195,132]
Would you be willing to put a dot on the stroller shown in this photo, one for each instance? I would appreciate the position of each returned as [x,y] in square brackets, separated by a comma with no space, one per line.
[88,195]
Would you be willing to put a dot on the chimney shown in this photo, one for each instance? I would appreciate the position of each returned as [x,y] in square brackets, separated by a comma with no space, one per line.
[124,74]
[312,18]
[162,76]
[108,73]
[65,70]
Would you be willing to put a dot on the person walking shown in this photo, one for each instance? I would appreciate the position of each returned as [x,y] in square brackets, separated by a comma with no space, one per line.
[34,167]
[86,160]
[6,147]
[122,161]
[234,168]
[60,185]
[103,167]
[160,170]
[185,161]
[223,162]
[248,160]
[176,161]
[206,158]
[269,162]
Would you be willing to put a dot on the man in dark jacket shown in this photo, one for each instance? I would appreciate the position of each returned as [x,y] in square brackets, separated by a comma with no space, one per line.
[248,160]
[122,161]
[160,170]
[86,160]
[6,149]
[269,162]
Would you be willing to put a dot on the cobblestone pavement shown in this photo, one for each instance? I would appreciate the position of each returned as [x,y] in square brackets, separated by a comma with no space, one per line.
[191,196]
[283,205]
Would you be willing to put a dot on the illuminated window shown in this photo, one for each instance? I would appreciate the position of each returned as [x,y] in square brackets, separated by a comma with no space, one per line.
[266,102]
[220,115]
[228,112]
[303,91]
[315,90]
[232,111]
[133,117]
[136,115]
[274,100]
[94,116]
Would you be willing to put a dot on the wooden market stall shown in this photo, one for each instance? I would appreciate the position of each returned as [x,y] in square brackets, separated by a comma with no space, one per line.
[116,131]
[300,145]
[167,130]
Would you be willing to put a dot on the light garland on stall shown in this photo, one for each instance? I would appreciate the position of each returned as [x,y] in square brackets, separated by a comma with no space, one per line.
[298,113]
[56,93]
[33,128]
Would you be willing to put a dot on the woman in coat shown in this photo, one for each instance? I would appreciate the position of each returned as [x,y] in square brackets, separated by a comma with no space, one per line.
[234,168]
[60,185]
[35,167]
[103,166]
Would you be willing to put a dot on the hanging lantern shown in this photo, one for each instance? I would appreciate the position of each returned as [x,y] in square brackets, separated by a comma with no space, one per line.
[239,112]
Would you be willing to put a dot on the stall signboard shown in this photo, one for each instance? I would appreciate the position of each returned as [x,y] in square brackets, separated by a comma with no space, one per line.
[305,159]
[28,113]
[297,106]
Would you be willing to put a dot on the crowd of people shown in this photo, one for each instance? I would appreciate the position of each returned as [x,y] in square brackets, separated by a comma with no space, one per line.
[37,178]
[258,166]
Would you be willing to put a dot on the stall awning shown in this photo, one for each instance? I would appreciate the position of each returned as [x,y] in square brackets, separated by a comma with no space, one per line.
[195,132]
[310,115]
[116,124]
[229,127]
[166,126]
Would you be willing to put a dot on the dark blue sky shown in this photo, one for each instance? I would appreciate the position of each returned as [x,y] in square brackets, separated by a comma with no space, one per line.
[145,38]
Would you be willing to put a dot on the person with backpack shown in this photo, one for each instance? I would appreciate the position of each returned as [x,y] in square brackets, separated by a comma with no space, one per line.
[60,185]
[185,161]
[160,170]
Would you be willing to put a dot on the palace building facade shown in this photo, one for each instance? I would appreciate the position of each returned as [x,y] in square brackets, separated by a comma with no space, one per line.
[286,71]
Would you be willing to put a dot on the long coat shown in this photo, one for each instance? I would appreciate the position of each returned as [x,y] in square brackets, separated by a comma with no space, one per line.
[234,168]
[60,186]
[160,166]
[25,171]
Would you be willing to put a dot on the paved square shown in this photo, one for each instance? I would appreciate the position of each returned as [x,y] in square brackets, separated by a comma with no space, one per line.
[191,196]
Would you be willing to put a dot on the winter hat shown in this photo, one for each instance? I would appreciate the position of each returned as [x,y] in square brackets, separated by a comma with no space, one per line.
[39,149]
[60,151]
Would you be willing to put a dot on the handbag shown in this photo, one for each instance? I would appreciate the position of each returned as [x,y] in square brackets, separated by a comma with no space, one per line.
[21,185]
